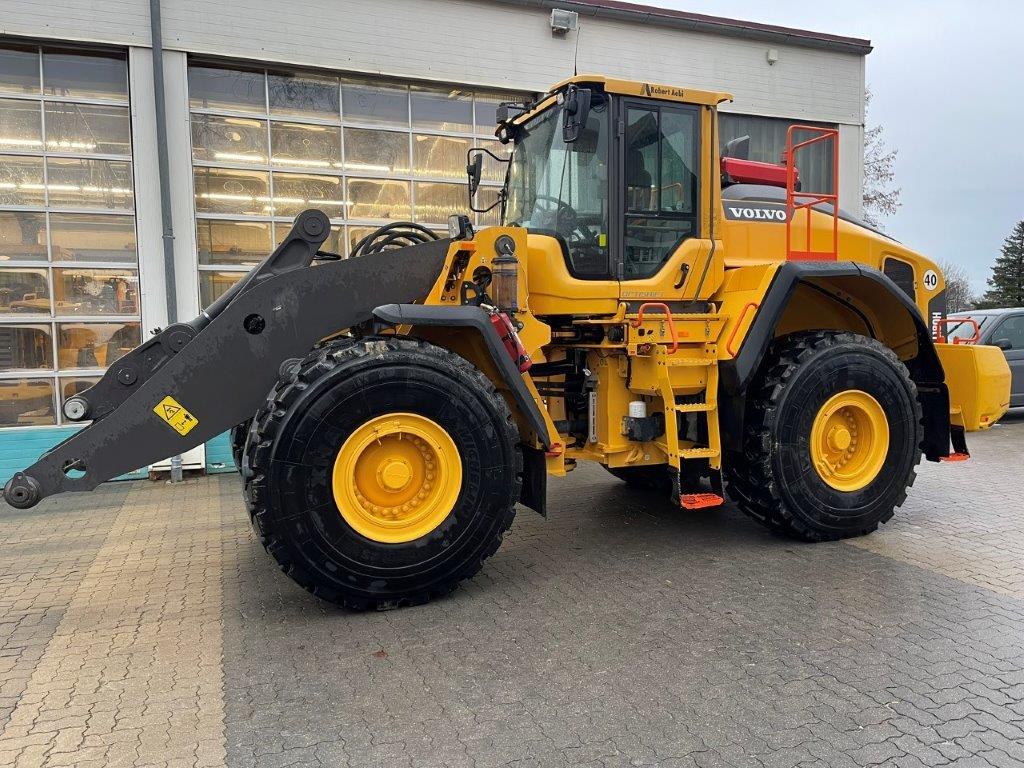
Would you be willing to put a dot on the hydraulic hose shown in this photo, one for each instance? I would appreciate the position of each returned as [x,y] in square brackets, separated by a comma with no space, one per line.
[395,235]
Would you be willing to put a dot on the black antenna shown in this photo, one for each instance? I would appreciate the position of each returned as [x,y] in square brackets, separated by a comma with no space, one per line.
[576,51]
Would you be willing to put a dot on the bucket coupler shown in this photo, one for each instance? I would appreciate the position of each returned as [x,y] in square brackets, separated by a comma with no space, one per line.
[194,380]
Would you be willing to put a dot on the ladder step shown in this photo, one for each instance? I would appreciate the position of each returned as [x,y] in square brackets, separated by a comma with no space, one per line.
[698,453]
[695,362]
[693,407]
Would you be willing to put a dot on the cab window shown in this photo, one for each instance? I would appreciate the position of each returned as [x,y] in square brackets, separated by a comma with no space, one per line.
[661,185]
[561,189]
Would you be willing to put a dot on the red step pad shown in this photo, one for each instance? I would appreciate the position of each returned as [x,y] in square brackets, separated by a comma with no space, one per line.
[956,457]
[700,500]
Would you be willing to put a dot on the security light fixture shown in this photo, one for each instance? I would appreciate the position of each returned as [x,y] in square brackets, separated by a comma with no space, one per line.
[563,21]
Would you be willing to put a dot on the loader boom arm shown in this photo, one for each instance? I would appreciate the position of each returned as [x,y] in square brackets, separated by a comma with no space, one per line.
[194,380]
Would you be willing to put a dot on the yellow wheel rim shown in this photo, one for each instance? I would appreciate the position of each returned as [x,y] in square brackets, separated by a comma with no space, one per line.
[849,440]
[397,477]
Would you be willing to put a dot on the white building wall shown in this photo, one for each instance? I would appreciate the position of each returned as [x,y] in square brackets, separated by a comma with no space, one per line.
[477,43]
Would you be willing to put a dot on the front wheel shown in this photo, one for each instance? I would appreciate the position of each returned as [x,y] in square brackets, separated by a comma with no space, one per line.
[832,437]
[382,472]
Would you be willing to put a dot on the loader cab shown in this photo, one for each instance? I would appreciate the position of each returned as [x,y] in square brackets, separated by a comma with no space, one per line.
[625,192]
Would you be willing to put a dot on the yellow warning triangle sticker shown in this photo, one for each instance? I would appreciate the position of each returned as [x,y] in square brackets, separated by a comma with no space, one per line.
[176,415]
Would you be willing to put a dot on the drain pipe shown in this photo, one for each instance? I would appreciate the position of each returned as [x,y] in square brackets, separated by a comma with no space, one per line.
[163,171]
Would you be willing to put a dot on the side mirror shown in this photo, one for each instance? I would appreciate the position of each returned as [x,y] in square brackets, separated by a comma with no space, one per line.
[575,111]
[474,169]
[738,148]
[1003,344]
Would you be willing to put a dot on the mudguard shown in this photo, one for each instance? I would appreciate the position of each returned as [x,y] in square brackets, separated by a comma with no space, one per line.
[195,380]
[925,369]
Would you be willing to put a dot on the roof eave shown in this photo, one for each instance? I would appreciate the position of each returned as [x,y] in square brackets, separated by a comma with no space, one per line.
[697,22]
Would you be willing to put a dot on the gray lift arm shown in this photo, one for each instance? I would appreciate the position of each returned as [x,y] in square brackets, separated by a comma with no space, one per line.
[194,380]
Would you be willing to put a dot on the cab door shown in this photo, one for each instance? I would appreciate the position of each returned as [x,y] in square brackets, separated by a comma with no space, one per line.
[660,199]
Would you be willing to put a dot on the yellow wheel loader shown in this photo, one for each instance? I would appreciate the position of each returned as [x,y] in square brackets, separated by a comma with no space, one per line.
[695,322]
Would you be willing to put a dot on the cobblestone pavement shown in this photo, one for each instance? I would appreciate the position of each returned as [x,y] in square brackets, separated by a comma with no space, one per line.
[144,625]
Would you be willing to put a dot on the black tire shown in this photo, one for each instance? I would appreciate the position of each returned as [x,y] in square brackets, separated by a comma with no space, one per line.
[774,480]
[238,435]
[295,439]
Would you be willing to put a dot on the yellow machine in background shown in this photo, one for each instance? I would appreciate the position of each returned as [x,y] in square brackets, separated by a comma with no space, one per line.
[695,322]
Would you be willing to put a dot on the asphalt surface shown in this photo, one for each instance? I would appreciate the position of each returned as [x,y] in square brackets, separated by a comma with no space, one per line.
[144,625]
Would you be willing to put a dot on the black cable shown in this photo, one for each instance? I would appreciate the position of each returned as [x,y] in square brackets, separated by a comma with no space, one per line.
[395,235]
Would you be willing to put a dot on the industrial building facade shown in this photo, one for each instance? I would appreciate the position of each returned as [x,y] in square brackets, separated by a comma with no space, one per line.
[364,110]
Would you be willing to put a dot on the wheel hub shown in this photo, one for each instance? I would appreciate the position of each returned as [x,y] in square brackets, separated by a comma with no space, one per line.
[849,440]
[397,477]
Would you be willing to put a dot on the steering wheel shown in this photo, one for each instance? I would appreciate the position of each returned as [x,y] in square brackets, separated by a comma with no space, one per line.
[567,221]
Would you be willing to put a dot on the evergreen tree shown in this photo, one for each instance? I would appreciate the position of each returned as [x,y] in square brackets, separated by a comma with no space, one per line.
[1006,286]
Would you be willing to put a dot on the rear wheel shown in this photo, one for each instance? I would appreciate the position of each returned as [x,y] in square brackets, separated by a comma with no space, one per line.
[832,437]
[383,472]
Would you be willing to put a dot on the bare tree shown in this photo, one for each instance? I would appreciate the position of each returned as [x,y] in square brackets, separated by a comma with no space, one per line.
[881,196]
[959,296]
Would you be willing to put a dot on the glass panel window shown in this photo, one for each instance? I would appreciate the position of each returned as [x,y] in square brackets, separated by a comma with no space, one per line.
[81,183]
[64,143]
[221,190]
[212,285]
[245,243]
[21,180]
[26,402]
[494,170]
[443,156]
[240,90]
[83,129]
[25,347]
[306,146]
[642,160]
[19,70]
[450,110]
[24,292]
[92,237]
[229,139]
[661,185]
[20,126]
[368,151]
[562,189]
[678,161]
[22,236]
[96,291]
[435,202]
[306,95]
[85,75]
[295,192]
[376,104]
[485,198]
[379,199]
[355,234]
[94,345]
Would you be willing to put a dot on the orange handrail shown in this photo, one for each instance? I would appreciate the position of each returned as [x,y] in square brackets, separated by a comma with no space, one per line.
[668,316]
[810,199]
[941,337]
[739,324]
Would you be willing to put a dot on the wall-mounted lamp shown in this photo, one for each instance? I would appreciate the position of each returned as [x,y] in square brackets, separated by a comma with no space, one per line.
[772,55]
[563,22]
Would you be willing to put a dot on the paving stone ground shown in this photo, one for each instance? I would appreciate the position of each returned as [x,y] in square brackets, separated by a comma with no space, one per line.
[144,625]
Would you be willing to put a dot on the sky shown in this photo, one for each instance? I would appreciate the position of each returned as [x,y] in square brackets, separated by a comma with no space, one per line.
[947,83]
